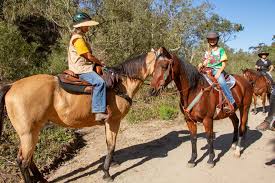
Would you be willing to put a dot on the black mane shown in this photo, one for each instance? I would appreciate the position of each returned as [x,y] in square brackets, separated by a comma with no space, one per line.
[131,68]
[193,75]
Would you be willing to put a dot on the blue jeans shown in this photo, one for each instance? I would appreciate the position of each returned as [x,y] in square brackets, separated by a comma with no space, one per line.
[99,91]
[225,89]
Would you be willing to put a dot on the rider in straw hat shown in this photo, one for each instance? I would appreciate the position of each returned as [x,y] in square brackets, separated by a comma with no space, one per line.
[265,66]
[81,61]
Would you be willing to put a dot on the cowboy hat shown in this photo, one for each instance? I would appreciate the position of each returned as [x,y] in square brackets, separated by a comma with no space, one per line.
[263,53]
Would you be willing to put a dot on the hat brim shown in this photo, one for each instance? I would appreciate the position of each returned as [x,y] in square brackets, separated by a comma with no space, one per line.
[86,24]
[260,54]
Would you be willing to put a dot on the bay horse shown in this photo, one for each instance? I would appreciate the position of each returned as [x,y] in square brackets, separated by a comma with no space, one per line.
[190,83]
[261,86]
[33,101]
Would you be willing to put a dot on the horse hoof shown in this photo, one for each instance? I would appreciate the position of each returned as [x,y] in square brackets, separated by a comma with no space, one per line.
[108,178]
[210,165]
[237,154]
[191,165]
[233,147]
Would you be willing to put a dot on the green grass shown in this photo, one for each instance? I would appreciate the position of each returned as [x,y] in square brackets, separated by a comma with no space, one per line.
[167,112]
[145,108]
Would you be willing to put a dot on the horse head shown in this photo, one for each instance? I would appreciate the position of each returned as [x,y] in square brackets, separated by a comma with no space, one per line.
[163,70]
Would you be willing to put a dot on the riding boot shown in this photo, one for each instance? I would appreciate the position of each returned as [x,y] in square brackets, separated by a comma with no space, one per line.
[269,119]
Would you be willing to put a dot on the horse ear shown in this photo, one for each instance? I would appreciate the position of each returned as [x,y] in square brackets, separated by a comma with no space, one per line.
[166,53]
[153,50]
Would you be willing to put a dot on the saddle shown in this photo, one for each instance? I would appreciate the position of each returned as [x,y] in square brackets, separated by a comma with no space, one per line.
[71,82]
[230,81]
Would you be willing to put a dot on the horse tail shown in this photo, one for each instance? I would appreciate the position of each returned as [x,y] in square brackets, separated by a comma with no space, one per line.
[3,90]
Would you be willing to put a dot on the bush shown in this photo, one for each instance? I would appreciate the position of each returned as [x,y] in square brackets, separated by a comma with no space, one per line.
[17,57]
[167,112]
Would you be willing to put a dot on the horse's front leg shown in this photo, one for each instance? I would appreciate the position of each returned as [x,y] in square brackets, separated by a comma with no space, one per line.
[263,102]
[208,125]
[193,137]
[255,104]
[111,130]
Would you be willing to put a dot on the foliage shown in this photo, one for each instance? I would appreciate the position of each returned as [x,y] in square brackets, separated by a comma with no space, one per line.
[146,108]
[17,57]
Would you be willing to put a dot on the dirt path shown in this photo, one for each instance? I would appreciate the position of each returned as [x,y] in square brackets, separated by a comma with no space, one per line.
[158,151]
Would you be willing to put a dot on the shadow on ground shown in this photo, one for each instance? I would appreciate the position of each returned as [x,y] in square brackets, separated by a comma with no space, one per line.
[159,148]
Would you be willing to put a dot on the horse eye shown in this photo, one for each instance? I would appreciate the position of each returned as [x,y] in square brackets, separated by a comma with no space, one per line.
[164,67]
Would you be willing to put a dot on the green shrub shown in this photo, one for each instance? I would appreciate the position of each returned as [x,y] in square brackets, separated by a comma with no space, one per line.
[167,112]
[17,57]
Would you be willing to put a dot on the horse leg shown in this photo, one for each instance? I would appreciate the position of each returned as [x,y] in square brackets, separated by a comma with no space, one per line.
[255,104]
[235,122]
[36,173]
[193,137]
[28,141]
[263,101]
[23,166]
[111,130]
[208,125]
[244,110]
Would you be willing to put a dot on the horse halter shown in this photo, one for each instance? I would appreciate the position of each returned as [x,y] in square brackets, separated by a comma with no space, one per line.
[169,69]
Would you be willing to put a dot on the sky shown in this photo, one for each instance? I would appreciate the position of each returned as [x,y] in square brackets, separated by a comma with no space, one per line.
[257,17]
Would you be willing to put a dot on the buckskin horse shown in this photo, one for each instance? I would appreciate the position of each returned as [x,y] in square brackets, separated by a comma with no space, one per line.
[190,83]
[261,86]
[33,101]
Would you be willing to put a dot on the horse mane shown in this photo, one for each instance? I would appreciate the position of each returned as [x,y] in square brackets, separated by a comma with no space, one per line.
[193,75]
[251,71]
[130,68]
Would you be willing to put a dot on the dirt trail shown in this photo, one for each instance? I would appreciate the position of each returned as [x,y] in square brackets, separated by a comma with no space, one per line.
[158,151]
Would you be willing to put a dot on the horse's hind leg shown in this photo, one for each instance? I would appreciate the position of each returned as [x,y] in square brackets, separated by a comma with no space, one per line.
[36,173]
[111,130]
[24,167]
[28,140]
[193,137]
[244,110]
[255,104]
[208,125]
[235,122]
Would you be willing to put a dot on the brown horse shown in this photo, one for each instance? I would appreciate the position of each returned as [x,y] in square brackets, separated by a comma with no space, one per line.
[191,83]
[33,101]
[261,86]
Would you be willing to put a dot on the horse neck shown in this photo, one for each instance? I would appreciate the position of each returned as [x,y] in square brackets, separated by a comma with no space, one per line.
[131,86]
[181,79]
